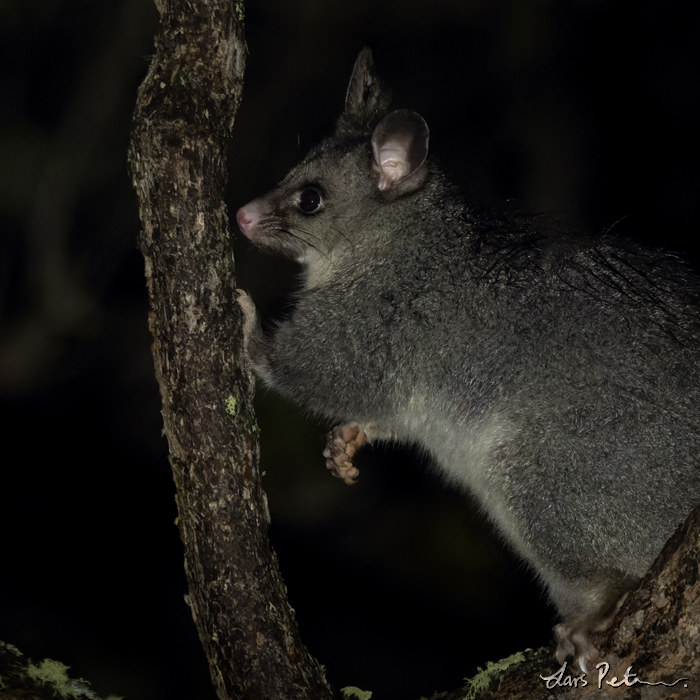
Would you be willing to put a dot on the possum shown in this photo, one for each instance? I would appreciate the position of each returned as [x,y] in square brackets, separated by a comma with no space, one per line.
[551,373]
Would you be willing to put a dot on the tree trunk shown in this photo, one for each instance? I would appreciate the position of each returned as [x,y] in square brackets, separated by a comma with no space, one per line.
[184,115]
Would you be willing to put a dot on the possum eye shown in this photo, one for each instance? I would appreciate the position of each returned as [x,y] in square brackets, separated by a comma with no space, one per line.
[310,200]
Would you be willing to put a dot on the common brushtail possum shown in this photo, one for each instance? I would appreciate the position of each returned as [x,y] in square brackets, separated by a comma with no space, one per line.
[553,374]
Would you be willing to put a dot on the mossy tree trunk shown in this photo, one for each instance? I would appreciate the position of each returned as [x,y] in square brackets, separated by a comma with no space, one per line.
[184,115]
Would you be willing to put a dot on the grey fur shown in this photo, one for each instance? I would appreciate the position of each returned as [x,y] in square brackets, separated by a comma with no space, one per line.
[553,374]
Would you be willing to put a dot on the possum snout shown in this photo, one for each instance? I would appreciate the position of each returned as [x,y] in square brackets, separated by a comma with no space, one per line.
[248,217]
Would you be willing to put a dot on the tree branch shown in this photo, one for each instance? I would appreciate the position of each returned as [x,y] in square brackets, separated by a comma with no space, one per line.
[184,114]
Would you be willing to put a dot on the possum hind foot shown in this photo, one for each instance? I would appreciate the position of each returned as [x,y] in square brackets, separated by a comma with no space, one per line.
[573,642]
[573,635]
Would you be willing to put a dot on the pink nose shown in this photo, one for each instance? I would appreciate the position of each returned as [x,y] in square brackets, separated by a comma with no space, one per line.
[244,220]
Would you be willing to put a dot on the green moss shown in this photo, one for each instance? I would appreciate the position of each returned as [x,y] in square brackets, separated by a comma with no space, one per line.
[352,692]
[55,674]
[231,405]
[482,680]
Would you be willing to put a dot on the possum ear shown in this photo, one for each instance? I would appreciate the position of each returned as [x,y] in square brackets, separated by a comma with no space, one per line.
[400,147]
[367,98]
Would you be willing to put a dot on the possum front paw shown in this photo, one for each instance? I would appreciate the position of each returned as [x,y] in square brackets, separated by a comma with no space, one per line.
[250,317]
[341,444]
[254,346]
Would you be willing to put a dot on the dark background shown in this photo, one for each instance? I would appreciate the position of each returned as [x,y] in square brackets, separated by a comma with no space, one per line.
[587,108]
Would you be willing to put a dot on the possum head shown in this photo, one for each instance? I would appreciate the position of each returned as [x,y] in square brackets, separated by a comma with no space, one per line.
[323,203]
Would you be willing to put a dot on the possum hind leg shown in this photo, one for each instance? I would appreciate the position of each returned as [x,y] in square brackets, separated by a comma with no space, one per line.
[587,605]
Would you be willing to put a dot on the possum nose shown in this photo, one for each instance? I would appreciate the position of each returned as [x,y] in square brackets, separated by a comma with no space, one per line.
[245,219]
[249,216]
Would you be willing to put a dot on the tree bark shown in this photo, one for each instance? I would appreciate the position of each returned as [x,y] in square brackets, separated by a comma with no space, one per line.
[184,114]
